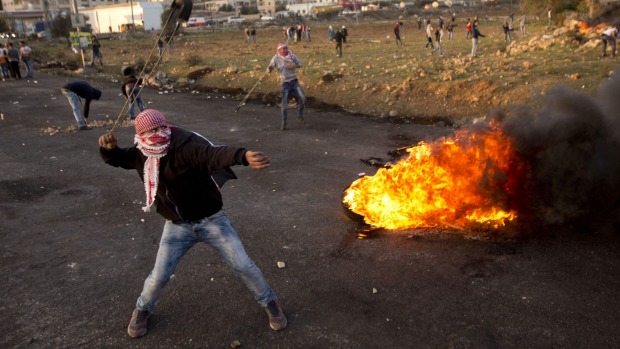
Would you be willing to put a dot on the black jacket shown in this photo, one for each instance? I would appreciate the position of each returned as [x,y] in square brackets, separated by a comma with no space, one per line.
[85,90]
[186,190]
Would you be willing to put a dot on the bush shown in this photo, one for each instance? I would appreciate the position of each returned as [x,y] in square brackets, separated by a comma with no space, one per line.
[192,60]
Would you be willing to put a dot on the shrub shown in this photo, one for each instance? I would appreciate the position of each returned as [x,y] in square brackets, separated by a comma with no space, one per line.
[192,60]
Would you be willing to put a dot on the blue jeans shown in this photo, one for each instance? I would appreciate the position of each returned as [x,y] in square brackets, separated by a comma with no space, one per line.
[96,54]
[5,70]
[217,232]
[292,87]
[28,63]
[134,98]
[76,104]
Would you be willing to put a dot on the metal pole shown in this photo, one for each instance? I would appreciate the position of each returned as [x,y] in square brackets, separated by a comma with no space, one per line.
[132,20]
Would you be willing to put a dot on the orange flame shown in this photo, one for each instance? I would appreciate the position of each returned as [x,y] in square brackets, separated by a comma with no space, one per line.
[448,183]
[585,28]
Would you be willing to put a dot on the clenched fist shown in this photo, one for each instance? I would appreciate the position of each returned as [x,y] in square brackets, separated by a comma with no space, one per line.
[257,159]
[108,141]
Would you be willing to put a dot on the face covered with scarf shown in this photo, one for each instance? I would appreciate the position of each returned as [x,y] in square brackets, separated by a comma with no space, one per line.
[284,52]
[153,136]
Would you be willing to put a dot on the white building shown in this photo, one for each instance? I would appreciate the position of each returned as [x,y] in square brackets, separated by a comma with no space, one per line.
[106,19]
[306,9]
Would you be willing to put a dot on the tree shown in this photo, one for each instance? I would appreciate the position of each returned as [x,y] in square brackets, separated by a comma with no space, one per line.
[226,8]
[61,28]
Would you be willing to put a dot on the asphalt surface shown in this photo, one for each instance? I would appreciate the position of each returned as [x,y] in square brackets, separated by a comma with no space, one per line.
[76,246]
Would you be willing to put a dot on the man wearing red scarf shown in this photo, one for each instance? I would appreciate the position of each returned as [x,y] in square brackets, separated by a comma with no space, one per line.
[285,62]
[182,173]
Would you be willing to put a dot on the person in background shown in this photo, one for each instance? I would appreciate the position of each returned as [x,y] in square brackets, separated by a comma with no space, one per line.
[180,171]
[522,25]
[475,34]
[4,63]
[25,53]
[609,37]
[438,40]
[246,31]
[285,62]
[345,34]
[253,35]
[397,34]
[96,52]
[76,90]
[330,33]
[339,39]
[506,29]
[131,89]
[13,55]
[429,34]
[160,46]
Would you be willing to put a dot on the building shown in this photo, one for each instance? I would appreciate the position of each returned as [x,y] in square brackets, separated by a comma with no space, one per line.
[306,9]
[110,18]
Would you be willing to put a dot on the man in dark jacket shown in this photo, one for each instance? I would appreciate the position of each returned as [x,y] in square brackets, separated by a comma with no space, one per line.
[179,171]
[73,91]
[339,39]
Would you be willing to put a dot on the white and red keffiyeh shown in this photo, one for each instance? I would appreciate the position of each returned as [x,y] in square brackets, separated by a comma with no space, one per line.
[154,146]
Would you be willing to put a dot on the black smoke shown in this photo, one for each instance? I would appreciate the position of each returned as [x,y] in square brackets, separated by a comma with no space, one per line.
[571,146]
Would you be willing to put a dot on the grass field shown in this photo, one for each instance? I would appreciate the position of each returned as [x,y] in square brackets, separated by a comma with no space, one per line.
[374,76]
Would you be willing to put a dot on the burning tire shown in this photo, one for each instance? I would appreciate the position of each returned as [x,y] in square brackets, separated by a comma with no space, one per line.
[347,210]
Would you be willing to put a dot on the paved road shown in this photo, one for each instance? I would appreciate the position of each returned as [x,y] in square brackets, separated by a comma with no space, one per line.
[76,247]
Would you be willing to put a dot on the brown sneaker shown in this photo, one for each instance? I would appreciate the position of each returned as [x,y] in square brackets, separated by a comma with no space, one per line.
[277,320]
[137,324]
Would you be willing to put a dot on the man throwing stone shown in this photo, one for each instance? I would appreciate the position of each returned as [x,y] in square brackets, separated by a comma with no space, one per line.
[179,171]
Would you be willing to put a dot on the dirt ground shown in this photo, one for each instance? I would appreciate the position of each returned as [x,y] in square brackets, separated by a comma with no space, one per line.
[76,246]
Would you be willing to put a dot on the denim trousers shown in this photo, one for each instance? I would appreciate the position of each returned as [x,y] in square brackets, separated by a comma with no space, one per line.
[74,100]
[5,70]
[28,63]
[292,88]
[134,98]
[94,56]
[217,232]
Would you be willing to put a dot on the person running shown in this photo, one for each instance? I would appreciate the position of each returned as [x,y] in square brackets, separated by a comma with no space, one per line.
[182,174]
[285,62]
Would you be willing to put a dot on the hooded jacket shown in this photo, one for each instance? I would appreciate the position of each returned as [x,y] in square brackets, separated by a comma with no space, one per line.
[187,190]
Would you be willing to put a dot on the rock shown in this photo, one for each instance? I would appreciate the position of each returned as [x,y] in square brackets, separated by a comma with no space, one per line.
[330,77]
[281,264]
[235,344]
[393,113]
[232,70]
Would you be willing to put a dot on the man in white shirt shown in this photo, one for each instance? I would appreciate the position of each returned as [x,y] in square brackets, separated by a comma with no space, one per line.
[609,37]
